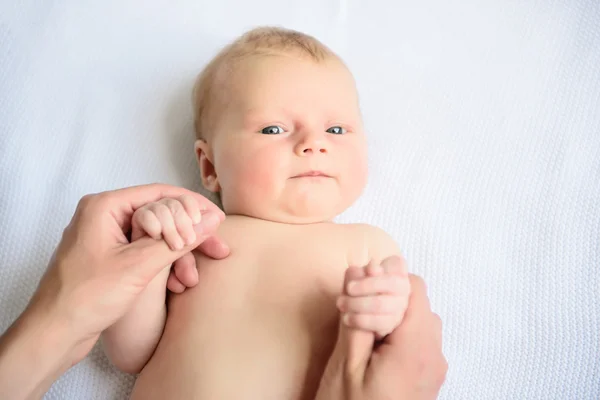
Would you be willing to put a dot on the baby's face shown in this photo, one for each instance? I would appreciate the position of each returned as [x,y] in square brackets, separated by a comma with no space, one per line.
[290,146]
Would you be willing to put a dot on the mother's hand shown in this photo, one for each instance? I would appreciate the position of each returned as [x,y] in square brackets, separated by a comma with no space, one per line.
[93,279]
[407,365]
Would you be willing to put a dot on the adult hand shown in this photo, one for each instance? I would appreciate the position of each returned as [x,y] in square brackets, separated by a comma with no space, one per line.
[92,280]
[407,365]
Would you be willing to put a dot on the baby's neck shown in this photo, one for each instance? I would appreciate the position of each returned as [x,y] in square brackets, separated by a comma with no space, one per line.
[310,221]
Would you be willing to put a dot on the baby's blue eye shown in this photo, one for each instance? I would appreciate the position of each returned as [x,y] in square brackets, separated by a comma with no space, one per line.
[336,130]
[272,130]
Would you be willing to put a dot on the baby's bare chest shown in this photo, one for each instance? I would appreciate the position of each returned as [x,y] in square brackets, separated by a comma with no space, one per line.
[268,310]
[277,277]
[296,273]
[290,264]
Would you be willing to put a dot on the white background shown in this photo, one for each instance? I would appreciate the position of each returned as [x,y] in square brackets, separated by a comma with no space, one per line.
[484,131]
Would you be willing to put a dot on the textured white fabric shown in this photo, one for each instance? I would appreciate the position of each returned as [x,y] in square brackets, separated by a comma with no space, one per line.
[484,129]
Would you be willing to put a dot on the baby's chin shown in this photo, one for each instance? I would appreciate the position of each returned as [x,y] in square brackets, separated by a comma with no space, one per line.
[290,214]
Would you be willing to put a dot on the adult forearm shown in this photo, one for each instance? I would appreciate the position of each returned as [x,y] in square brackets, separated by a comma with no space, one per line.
[34,352]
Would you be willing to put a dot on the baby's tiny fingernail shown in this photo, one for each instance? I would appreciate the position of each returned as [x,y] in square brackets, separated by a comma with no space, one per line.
[346,319]
[191,239]
[178,244]
[375,270]
[196,217]
[350,287]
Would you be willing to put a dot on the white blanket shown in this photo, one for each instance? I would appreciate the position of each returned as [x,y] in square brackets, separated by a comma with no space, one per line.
[484,129]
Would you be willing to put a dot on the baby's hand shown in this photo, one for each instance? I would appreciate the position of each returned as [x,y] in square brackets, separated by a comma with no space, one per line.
[375,297]
[173,220]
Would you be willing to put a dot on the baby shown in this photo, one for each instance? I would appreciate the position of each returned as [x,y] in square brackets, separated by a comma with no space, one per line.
[281,140]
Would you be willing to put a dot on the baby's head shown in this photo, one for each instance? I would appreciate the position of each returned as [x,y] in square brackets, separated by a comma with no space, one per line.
[278,128]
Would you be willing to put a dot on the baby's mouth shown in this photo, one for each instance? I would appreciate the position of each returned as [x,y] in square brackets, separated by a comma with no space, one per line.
[312,174]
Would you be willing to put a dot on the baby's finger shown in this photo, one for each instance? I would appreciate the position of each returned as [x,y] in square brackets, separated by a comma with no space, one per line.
[352,273]
[381,304]
[183,221]
[381,325]
[184,225]
[169,231]
[374,269]
[191,207]
[185,270]
[395,265]
[384,284]
[144,222]
[173,283]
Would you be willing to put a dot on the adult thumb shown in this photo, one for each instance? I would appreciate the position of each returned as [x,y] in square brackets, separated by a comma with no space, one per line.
[146,257]
[353,349]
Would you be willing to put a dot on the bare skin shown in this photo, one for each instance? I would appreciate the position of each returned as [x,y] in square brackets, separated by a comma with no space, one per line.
[92,280]
[408,364]
[262,323]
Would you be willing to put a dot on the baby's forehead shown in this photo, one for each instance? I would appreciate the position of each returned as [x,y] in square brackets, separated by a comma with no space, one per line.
[287,79]
[251,92]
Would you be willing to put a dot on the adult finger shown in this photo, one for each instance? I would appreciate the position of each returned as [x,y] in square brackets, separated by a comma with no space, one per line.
[354,346]
[395,265]
[214,247]
[123,202]
[417,311]
[437,327]
[185,270]
[173,283]
[418,303]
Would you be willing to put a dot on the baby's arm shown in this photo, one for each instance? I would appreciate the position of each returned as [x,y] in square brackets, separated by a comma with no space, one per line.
[376,295]
[131,341]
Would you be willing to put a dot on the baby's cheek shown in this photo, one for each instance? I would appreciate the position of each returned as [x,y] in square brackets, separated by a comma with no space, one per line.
[247,181]
[258,175]
[358,170]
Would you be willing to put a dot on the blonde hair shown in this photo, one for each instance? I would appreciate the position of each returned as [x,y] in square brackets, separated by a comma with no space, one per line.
[263,41]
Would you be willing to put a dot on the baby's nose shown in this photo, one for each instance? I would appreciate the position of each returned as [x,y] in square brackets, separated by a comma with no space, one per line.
[314,149]
[312,144]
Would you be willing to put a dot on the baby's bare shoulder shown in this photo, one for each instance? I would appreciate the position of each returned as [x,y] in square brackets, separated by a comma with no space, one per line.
[380,244]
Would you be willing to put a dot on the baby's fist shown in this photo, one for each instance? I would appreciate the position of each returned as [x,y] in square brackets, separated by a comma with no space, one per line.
[376,296]
[171,219]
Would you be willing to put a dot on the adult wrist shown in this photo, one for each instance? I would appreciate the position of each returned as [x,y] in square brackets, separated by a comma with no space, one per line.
[35,351]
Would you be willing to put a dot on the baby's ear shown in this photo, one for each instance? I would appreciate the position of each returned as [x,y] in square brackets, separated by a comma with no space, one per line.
[204,157]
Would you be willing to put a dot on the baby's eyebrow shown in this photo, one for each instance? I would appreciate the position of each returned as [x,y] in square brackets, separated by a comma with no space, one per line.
[250,120]
[255,117]
[260,115]
[254,111]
